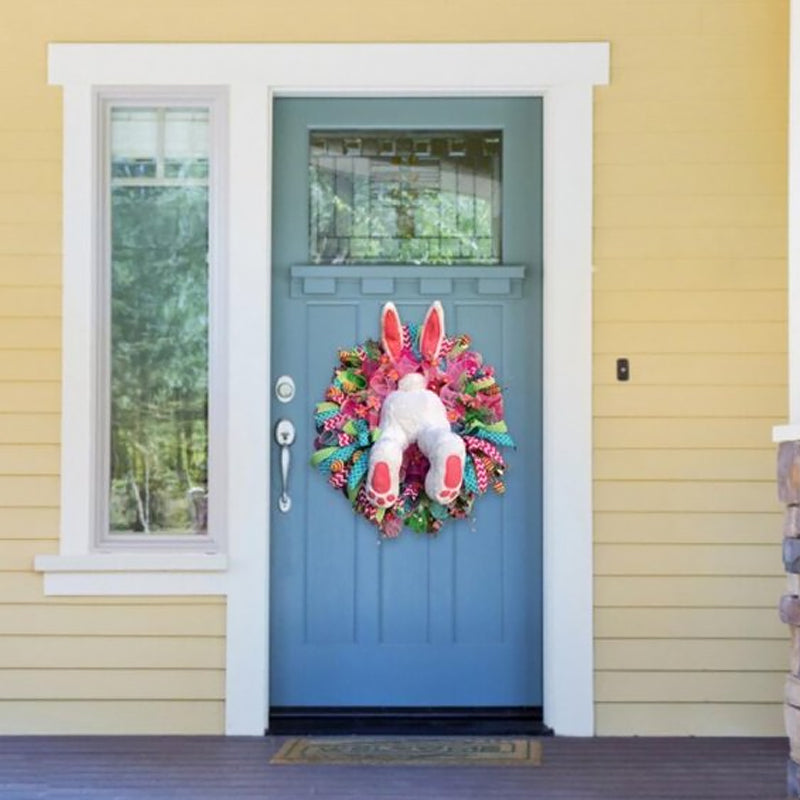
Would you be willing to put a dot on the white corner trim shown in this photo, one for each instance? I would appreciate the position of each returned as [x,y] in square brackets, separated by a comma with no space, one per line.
[563,74]
[785,433]
[791,432]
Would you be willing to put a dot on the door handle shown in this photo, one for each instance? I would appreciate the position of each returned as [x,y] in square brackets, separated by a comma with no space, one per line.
[284,436]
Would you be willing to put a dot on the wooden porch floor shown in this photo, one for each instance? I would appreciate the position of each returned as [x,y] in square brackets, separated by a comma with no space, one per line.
[215,768]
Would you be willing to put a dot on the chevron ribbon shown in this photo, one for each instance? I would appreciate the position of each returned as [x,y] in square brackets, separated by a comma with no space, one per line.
[322,416]
[447,346]
[474,443]
[481,475]
[338,479]
[367,509]
[334,422]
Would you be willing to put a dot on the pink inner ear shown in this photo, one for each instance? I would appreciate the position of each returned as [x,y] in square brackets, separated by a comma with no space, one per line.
[431,334]
[392,333]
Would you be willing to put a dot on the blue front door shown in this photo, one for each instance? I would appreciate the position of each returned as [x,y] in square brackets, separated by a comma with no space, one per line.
[448,620]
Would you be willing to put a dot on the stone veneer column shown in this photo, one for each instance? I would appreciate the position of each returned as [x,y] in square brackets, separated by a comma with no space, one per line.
[789,494]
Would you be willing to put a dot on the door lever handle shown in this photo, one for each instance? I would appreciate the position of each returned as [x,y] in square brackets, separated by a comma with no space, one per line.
[284,436]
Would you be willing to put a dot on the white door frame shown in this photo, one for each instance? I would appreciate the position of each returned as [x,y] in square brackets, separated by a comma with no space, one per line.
[253,74]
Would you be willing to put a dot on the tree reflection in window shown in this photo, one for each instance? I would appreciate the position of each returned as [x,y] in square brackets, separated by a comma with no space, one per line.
[159,217]
[414,197]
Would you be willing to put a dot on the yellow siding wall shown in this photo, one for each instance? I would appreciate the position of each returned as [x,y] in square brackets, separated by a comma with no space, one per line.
[690,285]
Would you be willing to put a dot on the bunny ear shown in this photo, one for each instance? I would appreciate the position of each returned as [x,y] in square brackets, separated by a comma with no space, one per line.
[391,332]
[432,336]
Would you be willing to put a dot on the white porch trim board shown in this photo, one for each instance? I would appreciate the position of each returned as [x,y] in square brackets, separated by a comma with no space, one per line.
[564,75]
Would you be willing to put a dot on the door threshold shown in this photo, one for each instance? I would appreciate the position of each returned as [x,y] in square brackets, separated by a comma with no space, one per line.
[415,721]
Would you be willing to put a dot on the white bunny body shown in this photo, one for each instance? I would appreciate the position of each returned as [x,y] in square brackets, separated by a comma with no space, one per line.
[414,414]
[412,409]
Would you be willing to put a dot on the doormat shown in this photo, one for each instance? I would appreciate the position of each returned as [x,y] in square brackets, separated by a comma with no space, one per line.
[412,750]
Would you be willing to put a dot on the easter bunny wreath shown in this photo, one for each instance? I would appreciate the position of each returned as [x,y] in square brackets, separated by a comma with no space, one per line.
[411,426]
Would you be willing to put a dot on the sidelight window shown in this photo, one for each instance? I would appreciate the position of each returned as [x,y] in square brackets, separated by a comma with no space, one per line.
[157,197]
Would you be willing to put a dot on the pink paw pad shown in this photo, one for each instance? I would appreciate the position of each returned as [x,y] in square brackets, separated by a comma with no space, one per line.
[453,476]
[379,489]
[381,480]
[452,472]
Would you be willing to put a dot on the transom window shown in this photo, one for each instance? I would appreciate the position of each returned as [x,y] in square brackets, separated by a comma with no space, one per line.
[414,197]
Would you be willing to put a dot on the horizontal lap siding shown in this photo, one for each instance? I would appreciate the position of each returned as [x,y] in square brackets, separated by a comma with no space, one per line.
[37,693]
[690,276]
[122,717]
[76,664]
[102,665]
[690,285]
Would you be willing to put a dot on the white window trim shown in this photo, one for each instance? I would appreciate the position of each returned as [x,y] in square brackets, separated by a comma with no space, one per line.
[791,431]
[102,539]
[564,75]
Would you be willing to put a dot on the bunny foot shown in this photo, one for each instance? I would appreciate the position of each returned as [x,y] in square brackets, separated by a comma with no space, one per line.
[383,478]
[381,489]
[446,488]
[446,473]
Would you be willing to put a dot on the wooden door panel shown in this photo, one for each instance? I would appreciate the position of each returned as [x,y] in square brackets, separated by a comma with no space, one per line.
[450,620]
